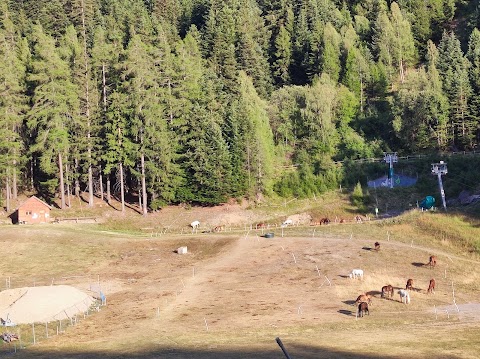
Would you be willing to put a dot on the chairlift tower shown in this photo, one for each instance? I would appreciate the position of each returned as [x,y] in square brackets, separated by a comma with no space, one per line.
[390,158]
[440,169]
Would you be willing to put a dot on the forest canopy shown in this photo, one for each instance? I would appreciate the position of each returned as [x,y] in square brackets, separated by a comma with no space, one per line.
[199,101]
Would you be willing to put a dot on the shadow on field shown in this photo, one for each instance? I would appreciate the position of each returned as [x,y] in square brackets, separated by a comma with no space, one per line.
[418,264]
[346,312]
[294,350]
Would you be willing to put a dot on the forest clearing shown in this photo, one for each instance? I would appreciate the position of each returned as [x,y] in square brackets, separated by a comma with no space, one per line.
[234,292]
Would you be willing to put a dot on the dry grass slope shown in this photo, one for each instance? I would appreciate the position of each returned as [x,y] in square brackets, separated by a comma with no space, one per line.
[235,292]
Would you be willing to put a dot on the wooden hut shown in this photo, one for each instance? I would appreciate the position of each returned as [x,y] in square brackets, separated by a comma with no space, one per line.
[33,210]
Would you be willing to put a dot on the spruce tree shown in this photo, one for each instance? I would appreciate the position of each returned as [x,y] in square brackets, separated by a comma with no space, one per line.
[12,106]
[453,69]
[55,104]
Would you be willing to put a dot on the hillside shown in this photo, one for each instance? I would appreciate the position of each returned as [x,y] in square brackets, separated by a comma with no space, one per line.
[234,292]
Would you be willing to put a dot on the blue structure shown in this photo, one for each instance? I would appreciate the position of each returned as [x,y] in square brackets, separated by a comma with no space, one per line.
[427,203]
[398,180]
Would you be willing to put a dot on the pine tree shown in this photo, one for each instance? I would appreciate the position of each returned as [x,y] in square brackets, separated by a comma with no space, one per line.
[453,69]
[204,156]
[283,57]
[55,104]
[12,106]
[473,55]
[331,52]
[104,58]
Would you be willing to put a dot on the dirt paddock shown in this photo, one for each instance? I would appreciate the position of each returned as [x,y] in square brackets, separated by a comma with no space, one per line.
[231,295]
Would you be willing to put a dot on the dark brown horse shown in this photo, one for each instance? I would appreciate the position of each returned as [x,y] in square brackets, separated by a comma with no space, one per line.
[432,261]
[377,246]
[431,286]
[387,291]
[363,309]
[324,221]
[409,285]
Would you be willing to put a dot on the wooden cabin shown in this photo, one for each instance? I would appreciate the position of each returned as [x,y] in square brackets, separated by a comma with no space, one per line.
[32,211]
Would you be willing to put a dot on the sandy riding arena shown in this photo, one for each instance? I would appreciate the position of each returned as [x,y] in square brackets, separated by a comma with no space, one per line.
[42,304]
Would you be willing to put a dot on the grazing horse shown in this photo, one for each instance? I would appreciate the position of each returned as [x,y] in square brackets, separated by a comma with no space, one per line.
[363,309]
[260,226]
[324,221]
[432,261]
[358,219]
[367,298]
[219,228]
[409,285]
[356,273]
[195,225]
[387,291]
[404,296]
[431,286]
[377,246]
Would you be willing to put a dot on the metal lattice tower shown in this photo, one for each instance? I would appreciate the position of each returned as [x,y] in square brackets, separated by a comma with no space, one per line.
[390,158]
[440,169]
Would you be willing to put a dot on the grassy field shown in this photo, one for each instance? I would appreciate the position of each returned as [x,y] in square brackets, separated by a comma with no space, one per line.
[236,291]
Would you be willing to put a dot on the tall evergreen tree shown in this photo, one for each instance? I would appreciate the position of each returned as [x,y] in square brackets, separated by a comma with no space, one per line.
[257,138]
[204,156]
[453,69]
[55,104]
[331,52]
[12,106]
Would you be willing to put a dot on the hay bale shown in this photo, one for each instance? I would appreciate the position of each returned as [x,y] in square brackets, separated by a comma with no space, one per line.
[182,250]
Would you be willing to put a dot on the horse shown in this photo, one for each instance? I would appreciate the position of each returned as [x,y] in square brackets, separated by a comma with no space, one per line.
[409,285]
[377,246]
[195,225]
[356,273]
[367,298]
[324,221]
[363,309]
[387,290]
[432,261]
[404,296]
[219,229]
[431,286]
[260,226]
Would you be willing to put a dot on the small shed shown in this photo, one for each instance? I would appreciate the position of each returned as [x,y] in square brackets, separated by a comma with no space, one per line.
[33,210]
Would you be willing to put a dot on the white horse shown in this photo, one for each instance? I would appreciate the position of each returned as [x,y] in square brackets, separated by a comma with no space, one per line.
[356,273]
[404,296]
[195,225]
[287,223]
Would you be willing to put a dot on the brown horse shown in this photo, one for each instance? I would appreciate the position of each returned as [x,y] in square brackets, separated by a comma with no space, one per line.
[431,286]
[377,246]
[387,291]
[324,221]
[363,309]
[260,226]
[367,298]
[432,261]
[409,285]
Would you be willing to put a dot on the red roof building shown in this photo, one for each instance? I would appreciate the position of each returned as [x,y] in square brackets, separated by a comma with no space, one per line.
[33,210]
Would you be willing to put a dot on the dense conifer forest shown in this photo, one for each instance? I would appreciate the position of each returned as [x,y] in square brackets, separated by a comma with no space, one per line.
[199,101]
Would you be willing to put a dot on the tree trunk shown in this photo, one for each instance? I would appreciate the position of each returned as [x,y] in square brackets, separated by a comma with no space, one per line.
[144,186]
[100,178]
[67,180]
[109,197]
[14,180]
[87,109]
[62,189]
[122,189]
[7,193]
